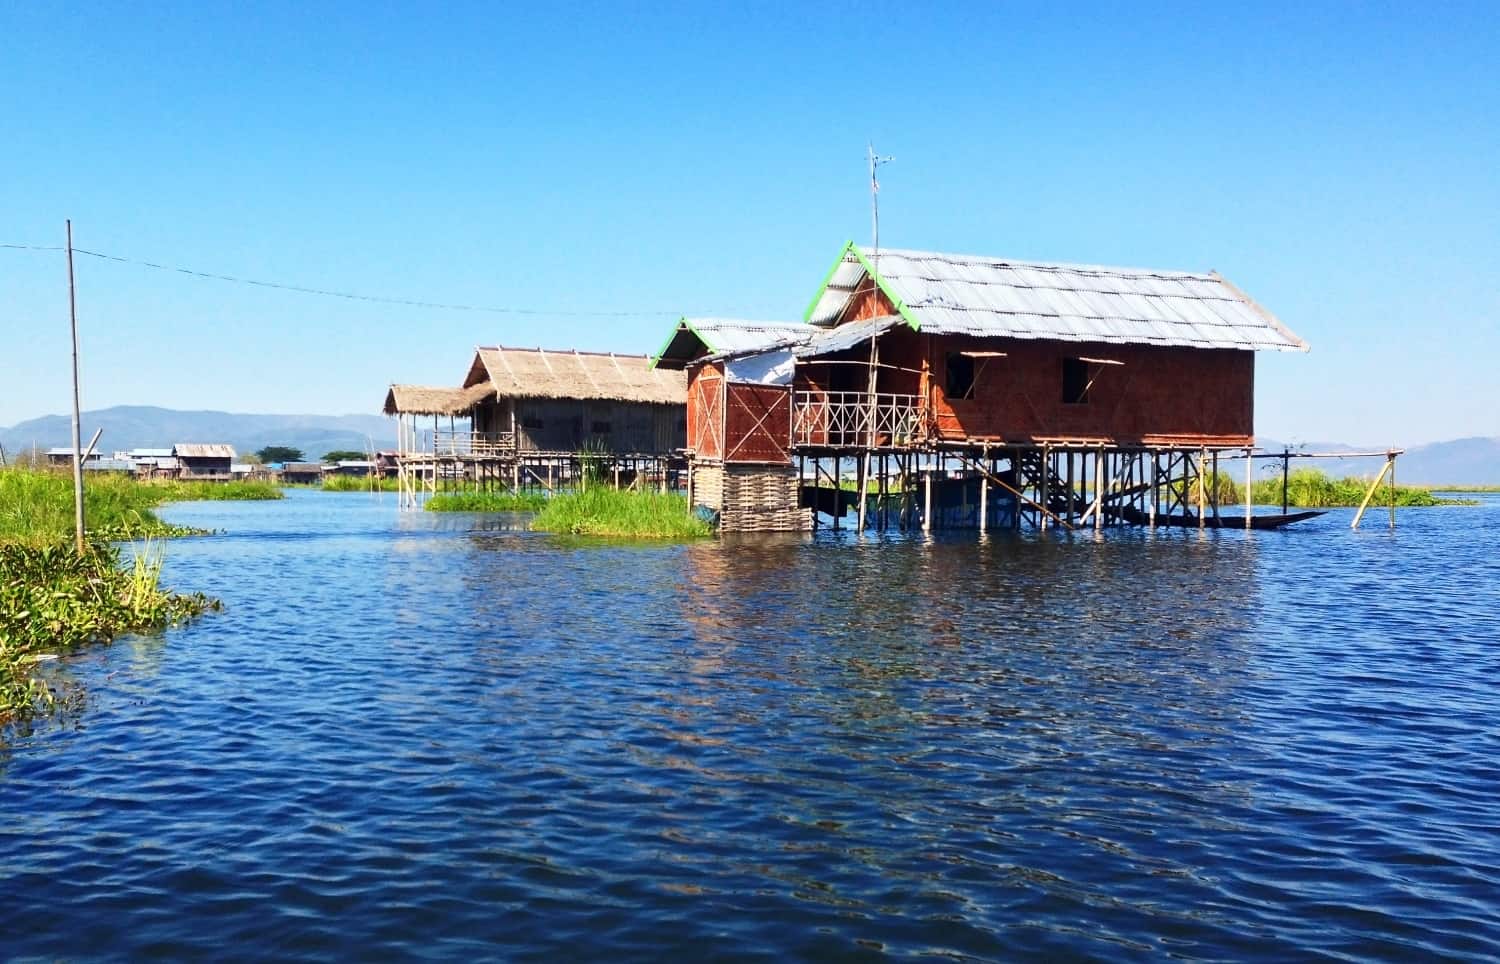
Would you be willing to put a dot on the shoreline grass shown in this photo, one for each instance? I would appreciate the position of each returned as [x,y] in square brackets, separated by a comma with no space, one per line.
[36,508]
[1312,489]
[621,514]
[357,483]
[54,599]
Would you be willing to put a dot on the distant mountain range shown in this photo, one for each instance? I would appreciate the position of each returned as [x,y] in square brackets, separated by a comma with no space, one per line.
[1466,461]
[139,426]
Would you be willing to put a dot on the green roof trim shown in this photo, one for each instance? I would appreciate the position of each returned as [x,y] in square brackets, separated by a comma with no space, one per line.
[880,282]
[682,325]
[806,315]
[899,305]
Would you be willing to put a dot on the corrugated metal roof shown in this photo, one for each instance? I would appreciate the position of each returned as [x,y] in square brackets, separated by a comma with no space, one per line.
[541,373]
[150,453]
[695,338]
[197,450]
[846,336]
[972,295]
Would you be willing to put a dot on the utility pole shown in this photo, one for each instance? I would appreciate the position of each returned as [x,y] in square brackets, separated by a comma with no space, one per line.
[875,161]
[77,413]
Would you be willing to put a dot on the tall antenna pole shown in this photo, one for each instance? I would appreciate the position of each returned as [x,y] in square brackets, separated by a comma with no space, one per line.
[77,414]
[875,161]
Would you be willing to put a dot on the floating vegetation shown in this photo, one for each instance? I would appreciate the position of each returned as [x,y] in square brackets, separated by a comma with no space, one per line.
[358,483]
[621,513]
[54,599]
[486,502]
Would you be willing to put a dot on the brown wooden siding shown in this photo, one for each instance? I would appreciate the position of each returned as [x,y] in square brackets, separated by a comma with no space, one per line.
[705,411]
[757,423]
[568,425]
[1157,396]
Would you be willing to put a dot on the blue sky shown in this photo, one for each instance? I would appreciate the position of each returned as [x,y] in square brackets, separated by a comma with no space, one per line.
[1338,163]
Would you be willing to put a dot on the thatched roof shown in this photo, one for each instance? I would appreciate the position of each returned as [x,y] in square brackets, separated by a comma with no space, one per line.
[541,373]
[429,400]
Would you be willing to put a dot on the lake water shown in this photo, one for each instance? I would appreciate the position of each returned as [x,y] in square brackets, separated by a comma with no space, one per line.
[440,736]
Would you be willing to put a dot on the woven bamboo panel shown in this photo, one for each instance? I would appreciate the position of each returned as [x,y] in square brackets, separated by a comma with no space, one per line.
[762,499]
[708,485]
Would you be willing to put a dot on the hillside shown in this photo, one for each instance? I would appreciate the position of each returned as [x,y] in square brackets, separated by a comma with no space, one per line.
[139,426]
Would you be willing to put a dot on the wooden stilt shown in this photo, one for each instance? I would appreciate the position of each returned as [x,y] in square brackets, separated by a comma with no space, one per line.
[984,492]
[1249,482]
[927,500]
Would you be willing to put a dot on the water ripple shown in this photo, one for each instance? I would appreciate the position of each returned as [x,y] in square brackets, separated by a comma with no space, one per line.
[443,736]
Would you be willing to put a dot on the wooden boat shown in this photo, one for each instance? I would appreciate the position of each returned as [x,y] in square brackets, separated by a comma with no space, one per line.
[1188,521]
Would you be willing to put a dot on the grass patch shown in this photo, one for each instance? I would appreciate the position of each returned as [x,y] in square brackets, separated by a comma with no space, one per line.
[486,502]
[36,508]
[1312,489]
[622,514]
[355,483]
[54,600]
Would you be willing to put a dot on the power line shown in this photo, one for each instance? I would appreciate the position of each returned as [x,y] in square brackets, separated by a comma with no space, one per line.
[348,295]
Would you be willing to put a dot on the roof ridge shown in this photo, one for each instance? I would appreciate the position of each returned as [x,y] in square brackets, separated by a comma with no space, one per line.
[912,253]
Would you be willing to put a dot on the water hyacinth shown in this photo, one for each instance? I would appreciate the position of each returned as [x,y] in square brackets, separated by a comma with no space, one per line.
[54,600]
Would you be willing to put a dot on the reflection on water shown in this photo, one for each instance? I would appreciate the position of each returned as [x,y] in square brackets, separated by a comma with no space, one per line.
[444,735]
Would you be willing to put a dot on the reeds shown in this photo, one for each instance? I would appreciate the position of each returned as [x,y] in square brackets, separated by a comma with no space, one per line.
[357,483]
[54,599]
[486,502]
[36,508]
[622,514]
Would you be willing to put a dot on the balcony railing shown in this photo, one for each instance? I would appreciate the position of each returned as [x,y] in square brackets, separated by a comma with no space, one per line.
[456,443]
[857,418]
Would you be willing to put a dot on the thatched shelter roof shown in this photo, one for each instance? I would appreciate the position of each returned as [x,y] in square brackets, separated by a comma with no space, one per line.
[541,373]
[430,400]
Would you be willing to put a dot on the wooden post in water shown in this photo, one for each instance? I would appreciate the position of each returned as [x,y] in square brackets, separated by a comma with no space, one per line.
[1392,456]
[1249,481]
[927,500]
[1155,488]
[1202,487]
[1390,461]
[1098,490]
[1046,486]
[984,490]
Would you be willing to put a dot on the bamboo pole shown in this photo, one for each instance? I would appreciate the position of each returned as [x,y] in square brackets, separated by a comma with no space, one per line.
[1155,488]
[1249,481]
[1371,494]
[927,501]
[1046,486]
[1202,488]
[1047,513]
[1393,489]
[1098,490]
[78,526]
[984,490]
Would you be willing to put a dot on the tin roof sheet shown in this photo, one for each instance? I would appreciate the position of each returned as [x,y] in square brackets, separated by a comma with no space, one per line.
[695,338]
[973,295]
[198,450]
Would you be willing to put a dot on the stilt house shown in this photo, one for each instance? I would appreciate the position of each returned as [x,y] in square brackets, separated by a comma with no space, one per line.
[566,401]
[530,415]
[981,359]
